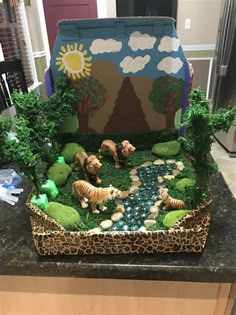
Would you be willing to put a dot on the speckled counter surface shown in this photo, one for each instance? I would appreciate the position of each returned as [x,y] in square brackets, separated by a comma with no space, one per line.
[217,263]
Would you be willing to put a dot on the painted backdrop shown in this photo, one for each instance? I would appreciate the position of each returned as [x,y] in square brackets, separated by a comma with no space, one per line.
[131,73]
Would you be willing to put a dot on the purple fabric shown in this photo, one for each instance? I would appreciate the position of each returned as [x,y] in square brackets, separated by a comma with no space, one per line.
[187,84]
[49,82]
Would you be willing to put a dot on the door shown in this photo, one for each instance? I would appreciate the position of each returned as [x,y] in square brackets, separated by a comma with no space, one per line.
[56,10]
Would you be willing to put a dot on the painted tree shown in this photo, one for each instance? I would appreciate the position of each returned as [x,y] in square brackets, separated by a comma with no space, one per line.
[200,126]
[91,96]
[166,96]
[128,115]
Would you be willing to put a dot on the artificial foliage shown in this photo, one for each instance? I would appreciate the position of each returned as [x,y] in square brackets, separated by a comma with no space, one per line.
[166,96]
[5,127]
[19,150]
[200,126]
[35,128]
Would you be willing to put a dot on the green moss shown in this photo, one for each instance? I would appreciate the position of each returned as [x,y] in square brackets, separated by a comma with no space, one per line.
[66,216]
[59,172]
[183,183]
[174,216]
[69,151]
[166,149]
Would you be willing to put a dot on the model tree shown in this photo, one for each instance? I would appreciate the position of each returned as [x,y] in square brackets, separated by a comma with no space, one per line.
[20,150]
[128,115]
[166,96]
[36,124]
[5,127]
[200,127]
[91,96]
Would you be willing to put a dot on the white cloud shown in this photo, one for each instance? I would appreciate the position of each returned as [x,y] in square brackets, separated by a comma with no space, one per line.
[169,44]
[141,41]
[129,64]
[100,46]
[170,65]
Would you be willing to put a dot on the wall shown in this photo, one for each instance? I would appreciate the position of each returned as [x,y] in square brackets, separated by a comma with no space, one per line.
[199,41]
[33,10]
[204,15]
[106,8]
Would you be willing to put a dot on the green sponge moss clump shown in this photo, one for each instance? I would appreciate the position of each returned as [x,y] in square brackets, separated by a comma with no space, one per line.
[166,149]
[66,216]
[174,216]
[183,183]
[59,172]
[69,151]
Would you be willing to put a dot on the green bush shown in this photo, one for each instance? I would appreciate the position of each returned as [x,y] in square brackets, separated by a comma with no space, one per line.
[69,151]
[183,183]
[174,216]
[59,172]
[66,216]
[166,149]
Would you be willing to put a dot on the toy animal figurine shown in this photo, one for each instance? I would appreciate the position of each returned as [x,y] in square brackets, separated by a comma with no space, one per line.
[91,167]
[119,151]
[171,203]
[96,196]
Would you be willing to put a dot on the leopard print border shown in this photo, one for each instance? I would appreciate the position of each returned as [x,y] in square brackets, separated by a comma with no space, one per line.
[187,235]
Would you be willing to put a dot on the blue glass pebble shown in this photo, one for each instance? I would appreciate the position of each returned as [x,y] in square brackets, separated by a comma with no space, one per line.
[125,228]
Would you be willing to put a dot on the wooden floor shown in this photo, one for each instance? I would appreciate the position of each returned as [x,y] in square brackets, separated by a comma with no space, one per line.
[70,296]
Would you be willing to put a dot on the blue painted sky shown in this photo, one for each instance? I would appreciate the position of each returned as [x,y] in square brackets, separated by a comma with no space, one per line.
[69,35]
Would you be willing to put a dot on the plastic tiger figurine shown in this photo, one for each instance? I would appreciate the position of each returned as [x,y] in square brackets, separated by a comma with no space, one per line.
[96,196]
[171,203]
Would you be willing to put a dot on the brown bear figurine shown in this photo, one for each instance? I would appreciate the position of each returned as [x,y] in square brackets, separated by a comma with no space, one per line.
[119,151]
[91,167]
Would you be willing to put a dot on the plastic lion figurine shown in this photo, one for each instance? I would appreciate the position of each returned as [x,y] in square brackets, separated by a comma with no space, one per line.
[119,151]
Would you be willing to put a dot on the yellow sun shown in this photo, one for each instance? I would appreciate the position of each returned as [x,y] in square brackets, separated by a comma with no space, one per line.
[73,61]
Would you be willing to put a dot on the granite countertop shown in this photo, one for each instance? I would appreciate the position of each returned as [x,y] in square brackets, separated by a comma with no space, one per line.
[217,263]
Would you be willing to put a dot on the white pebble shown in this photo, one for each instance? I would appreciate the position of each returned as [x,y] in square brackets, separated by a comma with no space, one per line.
[180,165]
[169,177]
[120,208]
[153,209]
[95,230]
[106,224]
[117,216]
[158,162]
[133,189]
[143,229]
[170,161]
[148,223]
[133,172]
[148,163]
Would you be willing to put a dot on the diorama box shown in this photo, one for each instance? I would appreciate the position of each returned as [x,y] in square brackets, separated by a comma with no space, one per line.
[134,81]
